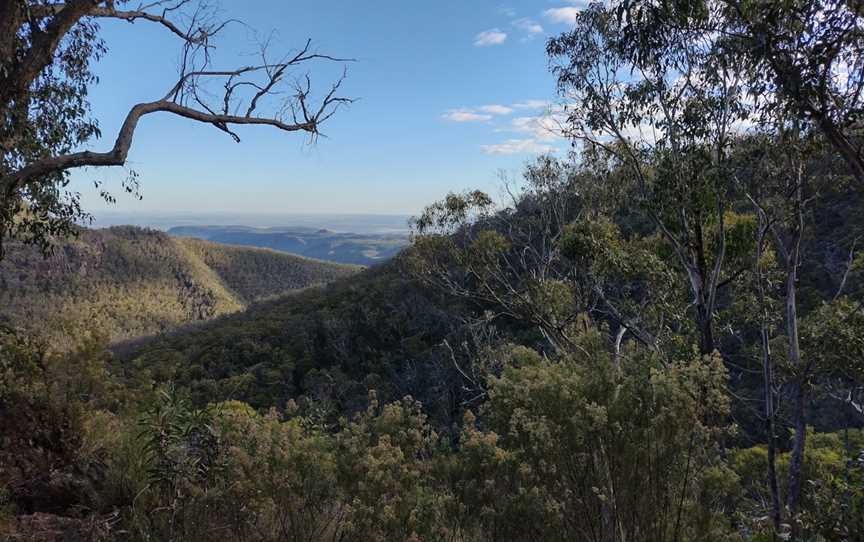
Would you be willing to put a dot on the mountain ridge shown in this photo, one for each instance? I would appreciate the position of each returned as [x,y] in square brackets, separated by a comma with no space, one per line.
[131,282]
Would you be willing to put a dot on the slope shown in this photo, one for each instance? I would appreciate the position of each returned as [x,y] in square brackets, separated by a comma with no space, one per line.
[127,282]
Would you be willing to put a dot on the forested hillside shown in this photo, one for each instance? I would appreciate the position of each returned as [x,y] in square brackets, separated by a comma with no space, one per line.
[406,327]
[129,282]
[378,330]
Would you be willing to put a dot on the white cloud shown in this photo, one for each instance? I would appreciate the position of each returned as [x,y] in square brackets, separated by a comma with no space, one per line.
[529,26]
[490,37]
[544,127]
[567,15]
[507,11]
[563,15]
[517,146]
[495,109]
[476,114]
[531,104]
[465,115]
[539,127]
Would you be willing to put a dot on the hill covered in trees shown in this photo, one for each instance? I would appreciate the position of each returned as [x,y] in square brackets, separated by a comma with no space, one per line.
[332,343]
[128,282]
[406,327]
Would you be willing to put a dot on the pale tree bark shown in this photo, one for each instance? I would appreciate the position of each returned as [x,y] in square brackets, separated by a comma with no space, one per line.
[779,197]
[767,369]
[800,394]
[789,247]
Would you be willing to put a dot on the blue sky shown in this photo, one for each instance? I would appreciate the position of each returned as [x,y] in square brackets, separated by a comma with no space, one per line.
[449,94]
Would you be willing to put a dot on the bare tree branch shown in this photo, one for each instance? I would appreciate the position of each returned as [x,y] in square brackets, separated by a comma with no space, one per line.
[117,155]
[108,11]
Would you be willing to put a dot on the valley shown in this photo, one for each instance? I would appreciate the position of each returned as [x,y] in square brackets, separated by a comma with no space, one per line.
[323,244]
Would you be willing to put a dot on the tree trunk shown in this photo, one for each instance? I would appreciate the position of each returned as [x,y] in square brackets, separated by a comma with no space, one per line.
[799,398]
[701,282]
[799,390]
[796,464]
[767,377]
[704,312]
[841,143]
[619,338]
[776,515]
[706,334]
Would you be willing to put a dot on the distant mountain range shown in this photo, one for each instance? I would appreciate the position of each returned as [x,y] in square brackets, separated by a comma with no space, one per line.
[164,220]
[323,244]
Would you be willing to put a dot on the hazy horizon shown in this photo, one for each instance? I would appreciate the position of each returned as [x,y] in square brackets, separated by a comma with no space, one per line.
[338,222]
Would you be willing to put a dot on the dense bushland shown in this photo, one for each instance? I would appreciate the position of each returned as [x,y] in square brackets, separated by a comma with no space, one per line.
[560,450]
[660,337]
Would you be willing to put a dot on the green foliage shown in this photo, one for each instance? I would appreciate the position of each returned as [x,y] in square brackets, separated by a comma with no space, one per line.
[834,474]
[384,460]
[596,241]
[47,117]
[834,339]
[181,451]
[603,451]
[53,406]
[453,212]
[285,473]
[487,248]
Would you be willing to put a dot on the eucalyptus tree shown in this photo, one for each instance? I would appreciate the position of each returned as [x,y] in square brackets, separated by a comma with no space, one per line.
[553,255]
[505,261]
[47,53]
[807,54]
[782,178]
[667,118]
